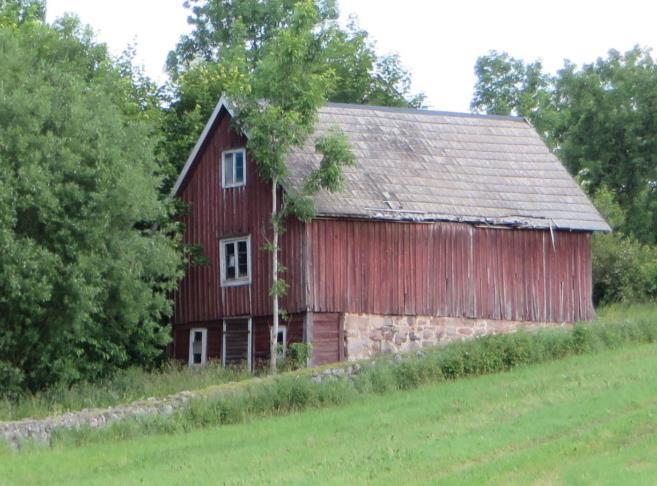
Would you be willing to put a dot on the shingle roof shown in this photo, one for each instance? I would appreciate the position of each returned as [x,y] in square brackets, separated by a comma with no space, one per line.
[427,165]
[435,166]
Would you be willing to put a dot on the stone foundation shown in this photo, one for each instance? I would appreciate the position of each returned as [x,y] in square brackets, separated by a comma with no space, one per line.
[367,335]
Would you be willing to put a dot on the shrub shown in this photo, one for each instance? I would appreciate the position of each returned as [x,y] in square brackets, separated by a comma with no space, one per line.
[297,356]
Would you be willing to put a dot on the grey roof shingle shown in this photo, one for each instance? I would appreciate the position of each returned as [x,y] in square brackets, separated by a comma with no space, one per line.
[424,166]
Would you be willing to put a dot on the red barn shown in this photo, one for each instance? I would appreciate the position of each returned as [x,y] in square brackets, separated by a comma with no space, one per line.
[449,226]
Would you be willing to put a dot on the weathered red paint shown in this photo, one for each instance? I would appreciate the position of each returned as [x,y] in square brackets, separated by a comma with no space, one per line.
[449,269]
[340,265]
[217,213]
[327,338]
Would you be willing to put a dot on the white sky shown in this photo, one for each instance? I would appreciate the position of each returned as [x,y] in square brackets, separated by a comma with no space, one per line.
[438,41]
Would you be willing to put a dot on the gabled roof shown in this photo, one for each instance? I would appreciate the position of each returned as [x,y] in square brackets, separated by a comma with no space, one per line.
[435,166]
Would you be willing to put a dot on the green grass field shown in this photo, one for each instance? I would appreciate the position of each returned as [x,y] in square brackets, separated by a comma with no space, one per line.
[590,418]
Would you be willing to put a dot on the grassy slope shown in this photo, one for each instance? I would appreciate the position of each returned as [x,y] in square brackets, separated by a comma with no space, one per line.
[589,418]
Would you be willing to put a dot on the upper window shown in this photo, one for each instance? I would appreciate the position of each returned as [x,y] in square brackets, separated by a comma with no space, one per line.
[236,261]
[233,173]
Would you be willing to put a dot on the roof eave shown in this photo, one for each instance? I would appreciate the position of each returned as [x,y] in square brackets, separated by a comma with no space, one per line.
[421,217]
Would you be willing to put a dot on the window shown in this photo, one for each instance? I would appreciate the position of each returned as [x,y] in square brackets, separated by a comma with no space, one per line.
[236,343]
[233,173]
[281,341]
[198,347]
[236,261]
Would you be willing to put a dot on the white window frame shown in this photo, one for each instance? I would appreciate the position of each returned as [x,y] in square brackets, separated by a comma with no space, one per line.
[222,261]
[282,329]
[204,346]
[223,341]
[223,168]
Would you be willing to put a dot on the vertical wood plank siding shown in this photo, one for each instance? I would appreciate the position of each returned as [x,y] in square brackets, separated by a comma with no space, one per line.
[327,338]
[216,213]
[449,269]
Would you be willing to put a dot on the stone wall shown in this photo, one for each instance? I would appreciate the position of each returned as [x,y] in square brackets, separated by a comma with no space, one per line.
[367,335]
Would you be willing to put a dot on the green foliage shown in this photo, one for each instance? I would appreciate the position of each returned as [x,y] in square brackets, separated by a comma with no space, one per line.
[122,387]
[624,269]
[506,85]
[336,154]
[14,13]
[296,357]
[87,261]
[230,40]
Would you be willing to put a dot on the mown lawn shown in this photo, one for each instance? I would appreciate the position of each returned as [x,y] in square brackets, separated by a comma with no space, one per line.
[590,418]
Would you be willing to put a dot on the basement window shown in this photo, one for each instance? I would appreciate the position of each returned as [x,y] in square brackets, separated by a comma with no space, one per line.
[198,346]
[235,261]
[281,341]
[233,170]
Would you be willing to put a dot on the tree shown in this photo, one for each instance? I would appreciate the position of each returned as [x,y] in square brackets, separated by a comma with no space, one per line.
[17,12]
[277,104]
[87,259]
[201,66]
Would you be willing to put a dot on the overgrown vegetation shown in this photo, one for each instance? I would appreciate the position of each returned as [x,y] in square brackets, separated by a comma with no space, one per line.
[588,419]
[88,257]
[123,387]
[291,392]
[617,326]
[486,355]
[229,39]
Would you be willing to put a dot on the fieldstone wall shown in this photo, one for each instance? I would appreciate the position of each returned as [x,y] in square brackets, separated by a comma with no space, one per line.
[368,335]
[40,430]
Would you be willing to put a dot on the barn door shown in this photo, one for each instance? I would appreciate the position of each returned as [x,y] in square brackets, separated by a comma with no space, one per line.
[236,343]
[327,338]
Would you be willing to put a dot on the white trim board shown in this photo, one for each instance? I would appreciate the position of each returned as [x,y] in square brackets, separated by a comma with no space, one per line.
[204,346]
[223,103]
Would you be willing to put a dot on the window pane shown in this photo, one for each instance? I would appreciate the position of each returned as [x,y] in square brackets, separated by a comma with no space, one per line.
[228,169]
[197,347]
[243,258]
[239,167]
[230,260]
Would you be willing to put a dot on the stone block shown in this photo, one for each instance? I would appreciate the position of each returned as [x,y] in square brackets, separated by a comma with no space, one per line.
[376,335]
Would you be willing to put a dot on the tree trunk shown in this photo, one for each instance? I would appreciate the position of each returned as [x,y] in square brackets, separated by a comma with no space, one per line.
[274,271]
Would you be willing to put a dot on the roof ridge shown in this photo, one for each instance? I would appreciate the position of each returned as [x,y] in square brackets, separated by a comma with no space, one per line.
[422,111]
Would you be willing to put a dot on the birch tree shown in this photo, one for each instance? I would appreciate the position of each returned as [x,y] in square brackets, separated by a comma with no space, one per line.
[277,105]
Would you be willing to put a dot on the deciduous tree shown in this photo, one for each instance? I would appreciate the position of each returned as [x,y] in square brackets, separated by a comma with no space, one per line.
[277,104]
[86,262]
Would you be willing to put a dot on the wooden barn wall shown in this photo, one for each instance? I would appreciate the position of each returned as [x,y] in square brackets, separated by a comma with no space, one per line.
[449,269]
[216,213]
[261,330]
[259,338]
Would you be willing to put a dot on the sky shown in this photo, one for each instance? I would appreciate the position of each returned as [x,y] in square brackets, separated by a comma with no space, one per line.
[438,41]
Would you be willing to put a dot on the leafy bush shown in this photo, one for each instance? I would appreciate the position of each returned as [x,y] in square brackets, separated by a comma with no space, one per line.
[296,357]
[624,269]
[87,262]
